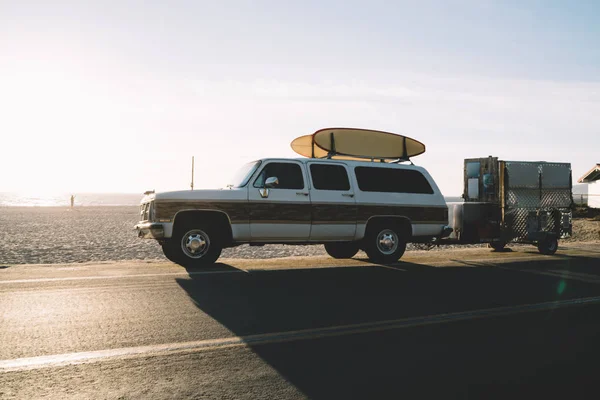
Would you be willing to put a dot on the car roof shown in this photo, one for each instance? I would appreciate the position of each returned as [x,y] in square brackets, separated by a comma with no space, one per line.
[352,163]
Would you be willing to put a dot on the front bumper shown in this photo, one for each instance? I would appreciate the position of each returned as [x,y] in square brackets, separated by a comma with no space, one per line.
[150,230]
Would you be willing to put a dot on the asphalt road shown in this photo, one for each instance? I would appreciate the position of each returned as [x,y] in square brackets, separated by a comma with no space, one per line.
[457,324]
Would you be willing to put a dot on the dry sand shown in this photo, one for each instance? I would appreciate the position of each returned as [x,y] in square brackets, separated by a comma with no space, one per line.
[49,235]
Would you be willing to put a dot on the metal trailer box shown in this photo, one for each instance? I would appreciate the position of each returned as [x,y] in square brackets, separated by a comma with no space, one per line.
[474,222]
[514,201]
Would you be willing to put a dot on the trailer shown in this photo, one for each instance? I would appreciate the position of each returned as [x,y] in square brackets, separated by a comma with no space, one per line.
[513,201]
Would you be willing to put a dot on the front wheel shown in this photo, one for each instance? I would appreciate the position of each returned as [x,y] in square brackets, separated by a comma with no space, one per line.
[384,245]
[497,246]
[169,252]
[548,246]
[194,246]
[341,249]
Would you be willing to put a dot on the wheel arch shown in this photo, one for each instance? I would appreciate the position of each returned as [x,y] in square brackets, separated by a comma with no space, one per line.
[213,217]
[403,223]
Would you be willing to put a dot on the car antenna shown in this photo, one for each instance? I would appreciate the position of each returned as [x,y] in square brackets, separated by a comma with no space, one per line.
[192,184]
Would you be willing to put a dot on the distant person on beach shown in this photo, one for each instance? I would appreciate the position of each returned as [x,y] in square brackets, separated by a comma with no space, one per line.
[72,200]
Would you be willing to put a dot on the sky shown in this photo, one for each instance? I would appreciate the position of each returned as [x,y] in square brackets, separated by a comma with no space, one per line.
[118,96]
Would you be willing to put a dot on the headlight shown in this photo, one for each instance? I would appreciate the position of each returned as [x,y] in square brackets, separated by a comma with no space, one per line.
[151,211]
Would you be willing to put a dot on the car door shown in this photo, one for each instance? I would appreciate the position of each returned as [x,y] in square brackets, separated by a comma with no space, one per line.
[279,203]
[333,205]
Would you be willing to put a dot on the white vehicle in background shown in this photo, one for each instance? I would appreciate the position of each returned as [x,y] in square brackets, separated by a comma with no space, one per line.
[355,189]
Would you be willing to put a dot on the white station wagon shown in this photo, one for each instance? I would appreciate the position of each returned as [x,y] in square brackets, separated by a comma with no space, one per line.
[332,197]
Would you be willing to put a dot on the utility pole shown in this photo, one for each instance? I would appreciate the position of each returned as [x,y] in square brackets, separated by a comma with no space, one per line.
[192,185]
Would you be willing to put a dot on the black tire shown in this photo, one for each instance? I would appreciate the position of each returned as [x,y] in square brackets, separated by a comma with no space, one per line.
[497,246]
[169,252]
[195,245]
[384,244]
[548,246]
[341,249]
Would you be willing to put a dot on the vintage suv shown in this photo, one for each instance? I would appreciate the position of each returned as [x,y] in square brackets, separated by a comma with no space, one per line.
[334,197]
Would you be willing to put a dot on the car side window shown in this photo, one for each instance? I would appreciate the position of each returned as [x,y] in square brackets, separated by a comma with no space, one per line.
[329,177]
[289,176]
[391,180]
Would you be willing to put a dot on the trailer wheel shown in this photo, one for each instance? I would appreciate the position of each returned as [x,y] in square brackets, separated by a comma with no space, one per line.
[548,246]
[497,246]
[341,249]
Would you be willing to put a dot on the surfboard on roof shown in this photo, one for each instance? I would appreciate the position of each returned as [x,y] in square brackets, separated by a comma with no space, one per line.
[357,144]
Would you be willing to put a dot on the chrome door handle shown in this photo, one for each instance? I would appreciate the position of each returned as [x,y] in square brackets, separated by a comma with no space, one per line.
[301,194]
[348,194]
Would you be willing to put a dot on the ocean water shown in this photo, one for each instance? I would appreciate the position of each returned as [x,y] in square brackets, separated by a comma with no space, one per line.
[86,199]
[64,199]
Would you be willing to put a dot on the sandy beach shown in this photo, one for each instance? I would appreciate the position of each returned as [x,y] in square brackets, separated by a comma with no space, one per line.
[49,235]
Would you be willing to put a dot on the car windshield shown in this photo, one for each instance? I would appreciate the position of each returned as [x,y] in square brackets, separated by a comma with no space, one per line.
[243,174]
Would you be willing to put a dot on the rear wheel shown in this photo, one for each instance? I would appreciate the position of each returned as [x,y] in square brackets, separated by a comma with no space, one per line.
[341,249]
[384,245]
[548,246]
[195,245]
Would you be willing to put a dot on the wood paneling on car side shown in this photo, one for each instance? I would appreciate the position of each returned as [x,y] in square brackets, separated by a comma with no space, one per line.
[272,212]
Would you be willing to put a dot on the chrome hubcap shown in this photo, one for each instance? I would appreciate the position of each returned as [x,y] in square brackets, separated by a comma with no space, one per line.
[387,241]
[195,243]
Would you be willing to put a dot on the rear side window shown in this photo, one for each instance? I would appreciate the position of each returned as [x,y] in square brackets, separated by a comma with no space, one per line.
[289,176]
[329,177]
[391,180]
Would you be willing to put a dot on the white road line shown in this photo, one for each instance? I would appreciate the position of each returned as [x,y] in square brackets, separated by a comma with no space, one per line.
[58,360]
[496,261]
[84,278]
[582,275]
[485,261]
[393,267]
[36,290]
[564,274]
[577,276]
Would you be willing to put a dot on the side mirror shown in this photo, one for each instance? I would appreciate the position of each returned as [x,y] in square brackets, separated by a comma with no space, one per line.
[271,182]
